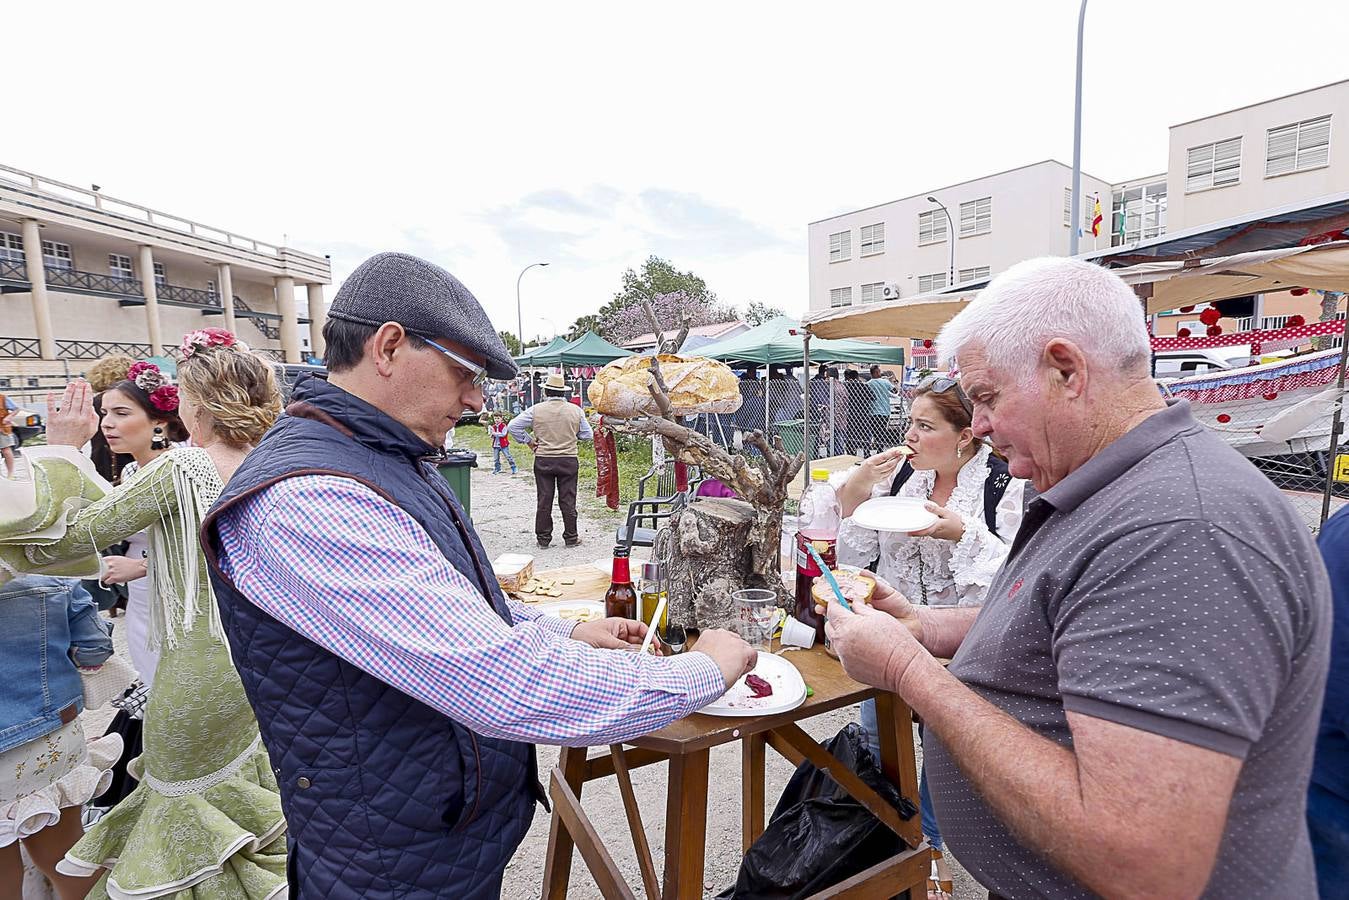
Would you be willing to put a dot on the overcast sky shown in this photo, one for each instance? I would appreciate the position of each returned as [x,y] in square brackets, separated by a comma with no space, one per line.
[590,135]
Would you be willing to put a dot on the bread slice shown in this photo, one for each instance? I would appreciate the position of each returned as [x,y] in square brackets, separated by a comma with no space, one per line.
[856,586]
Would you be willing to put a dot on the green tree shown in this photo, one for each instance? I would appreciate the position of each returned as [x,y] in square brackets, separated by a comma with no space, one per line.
[582,325]
[759,312]
[511,341]
[658,277]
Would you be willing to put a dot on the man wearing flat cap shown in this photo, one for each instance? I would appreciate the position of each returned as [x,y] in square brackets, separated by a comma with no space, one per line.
[552,428]
[398,691]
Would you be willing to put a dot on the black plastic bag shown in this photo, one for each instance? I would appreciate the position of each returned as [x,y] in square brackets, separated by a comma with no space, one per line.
[819,835]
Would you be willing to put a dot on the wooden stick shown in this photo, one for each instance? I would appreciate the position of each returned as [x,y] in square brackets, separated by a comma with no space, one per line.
[639,842]
[602,866]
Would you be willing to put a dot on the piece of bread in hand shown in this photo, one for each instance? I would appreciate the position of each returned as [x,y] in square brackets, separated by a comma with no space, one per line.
[856,586]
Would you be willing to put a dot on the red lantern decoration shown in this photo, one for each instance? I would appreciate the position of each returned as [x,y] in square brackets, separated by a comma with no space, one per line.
[927,344]
[1182,332]
[1224,418]
[1272,395]
[1295,322]
[1298,292]
[1187,309]
[1210,316]
[1214,330]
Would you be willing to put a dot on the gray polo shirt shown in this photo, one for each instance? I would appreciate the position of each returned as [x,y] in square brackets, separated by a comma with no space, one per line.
[1168,586]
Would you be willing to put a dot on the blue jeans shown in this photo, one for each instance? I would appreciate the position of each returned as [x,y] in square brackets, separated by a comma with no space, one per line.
[930,829]
[1328,822]
[496,459]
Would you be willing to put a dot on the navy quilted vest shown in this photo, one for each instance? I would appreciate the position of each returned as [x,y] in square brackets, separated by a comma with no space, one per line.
[384,796]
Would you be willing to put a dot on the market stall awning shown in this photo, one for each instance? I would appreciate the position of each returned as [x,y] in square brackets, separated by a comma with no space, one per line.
[773,343]
[525,359]
[588,350]
[1166,285]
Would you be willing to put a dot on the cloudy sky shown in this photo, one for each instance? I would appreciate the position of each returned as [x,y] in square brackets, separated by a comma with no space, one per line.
[589,135]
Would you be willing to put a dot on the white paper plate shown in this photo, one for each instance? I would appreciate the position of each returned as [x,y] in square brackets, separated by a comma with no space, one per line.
[899,514]
[789,691]
[558,607]
[605,564]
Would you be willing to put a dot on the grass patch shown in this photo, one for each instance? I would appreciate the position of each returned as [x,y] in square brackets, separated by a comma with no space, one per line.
[634,459]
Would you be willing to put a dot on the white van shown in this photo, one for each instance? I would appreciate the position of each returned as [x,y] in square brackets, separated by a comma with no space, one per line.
[1180,363]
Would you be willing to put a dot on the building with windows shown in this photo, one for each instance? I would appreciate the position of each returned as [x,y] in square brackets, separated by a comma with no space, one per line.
[955,234]
[83,275]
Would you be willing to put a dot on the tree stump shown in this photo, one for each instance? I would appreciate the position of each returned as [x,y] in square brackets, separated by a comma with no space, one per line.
[709,561]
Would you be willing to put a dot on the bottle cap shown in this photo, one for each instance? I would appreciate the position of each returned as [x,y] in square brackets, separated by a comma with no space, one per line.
[819,474]
[621,552]
[653,571]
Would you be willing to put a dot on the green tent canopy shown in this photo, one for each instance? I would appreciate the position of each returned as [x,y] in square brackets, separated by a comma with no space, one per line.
[524,359]
[772,343]
[588,350]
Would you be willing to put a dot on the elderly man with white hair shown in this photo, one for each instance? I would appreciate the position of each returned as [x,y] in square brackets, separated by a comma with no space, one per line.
[1133,710]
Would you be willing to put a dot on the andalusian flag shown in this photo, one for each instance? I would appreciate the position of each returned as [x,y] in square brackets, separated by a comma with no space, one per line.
[1096,218]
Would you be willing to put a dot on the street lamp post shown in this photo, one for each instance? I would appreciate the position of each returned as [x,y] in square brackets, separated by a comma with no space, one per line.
[519,320]
[950,241]
[1075,225]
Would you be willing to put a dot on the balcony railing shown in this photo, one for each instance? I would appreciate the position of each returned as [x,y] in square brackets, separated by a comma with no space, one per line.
[266,326]
[93,281]
[20,348]
[194,296]
[13,269]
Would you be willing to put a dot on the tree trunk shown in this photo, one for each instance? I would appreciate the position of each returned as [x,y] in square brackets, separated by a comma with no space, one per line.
[721,546]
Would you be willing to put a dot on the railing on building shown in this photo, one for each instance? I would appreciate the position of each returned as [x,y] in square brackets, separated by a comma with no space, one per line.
[260,320]
[136,212]
[192,296]
[93,281]
[13,270]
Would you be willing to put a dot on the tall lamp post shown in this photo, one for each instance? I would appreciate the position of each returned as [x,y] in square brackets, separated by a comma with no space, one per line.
[1075,226]
[519,320]
[950,240]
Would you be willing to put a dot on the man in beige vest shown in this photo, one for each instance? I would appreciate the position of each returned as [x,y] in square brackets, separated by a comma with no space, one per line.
[557,426]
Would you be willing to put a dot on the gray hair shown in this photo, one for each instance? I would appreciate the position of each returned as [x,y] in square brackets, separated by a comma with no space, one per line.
[1039,300]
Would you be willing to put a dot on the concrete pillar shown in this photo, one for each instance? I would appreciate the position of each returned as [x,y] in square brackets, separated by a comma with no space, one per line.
[290,325]
[146,270]
[37,277]
[317,316]
[225,284]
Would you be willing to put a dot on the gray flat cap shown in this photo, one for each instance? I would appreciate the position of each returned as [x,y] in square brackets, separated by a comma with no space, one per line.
[424,299]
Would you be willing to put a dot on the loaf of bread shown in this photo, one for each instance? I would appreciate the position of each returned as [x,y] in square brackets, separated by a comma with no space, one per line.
[697,385]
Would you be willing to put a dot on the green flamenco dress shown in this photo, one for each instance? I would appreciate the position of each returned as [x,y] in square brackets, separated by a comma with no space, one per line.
[205,822]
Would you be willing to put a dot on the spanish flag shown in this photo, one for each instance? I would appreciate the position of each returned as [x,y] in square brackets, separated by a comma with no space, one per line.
[1096,218]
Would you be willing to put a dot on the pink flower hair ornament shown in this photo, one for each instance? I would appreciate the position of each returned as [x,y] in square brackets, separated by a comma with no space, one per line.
[146,376]
[165,398]
[205,338]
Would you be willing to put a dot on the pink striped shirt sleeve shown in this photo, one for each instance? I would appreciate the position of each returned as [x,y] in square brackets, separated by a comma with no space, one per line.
[370,586]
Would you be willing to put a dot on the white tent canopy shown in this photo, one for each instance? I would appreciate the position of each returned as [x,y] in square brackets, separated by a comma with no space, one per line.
[1167,285]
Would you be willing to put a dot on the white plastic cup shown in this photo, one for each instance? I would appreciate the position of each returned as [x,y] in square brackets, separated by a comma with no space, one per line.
[796,633]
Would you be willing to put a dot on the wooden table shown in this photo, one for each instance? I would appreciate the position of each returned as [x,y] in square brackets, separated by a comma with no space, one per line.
[686,745]
[797,486]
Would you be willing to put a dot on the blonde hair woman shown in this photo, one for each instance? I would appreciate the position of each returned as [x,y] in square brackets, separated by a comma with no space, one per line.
[206,818]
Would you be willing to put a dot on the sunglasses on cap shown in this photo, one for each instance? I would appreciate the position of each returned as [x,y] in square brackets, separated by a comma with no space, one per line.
[478,372]
[940,384]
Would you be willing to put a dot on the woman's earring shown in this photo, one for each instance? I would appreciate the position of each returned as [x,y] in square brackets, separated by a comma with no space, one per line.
[960,451]
[158,442]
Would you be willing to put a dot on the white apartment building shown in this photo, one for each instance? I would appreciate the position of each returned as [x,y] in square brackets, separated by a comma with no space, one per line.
[964,232]
[1257,157]
[83,275]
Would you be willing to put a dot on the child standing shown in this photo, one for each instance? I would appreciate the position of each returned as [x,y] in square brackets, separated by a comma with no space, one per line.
[501,444]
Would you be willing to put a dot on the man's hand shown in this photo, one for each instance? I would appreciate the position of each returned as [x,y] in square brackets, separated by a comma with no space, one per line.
[729,651]
[888,600]
[71,420]
[612,633]
[122,569]
[874,647]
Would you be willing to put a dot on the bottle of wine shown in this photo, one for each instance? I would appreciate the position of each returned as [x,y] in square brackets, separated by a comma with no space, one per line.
[621,598]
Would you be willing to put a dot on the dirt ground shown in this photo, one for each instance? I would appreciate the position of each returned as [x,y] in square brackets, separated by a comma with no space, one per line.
[503,510]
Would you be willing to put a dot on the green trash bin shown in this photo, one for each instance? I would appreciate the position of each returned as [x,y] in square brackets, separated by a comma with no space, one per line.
[455,469]
[793,435]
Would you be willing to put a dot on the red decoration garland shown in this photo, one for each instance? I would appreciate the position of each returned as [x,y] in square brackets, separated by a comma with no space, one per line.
[1187,309]
[1210,316]
[1182,332]
[1224,418]
[1295,322]
[1214,330]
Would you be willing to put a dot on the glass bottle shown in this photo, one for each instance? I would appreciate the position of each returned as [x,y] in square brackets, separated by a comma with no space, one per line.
[820,521]
[652,590]
[621,598]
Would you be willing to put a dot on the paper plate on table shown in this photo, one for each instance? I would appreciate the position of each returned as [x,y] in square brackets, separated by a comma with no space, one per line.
[574,610]
[898,514]
[789,691]
[605,564]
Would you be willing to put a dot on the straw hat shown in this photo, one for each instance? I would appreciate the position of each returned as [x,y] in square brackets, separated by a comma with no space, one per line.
[555,382]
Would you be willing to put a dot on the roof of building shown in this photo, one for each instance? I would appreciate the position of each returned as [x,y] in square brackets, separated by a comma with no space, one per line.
[956,185]
[1260,103]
